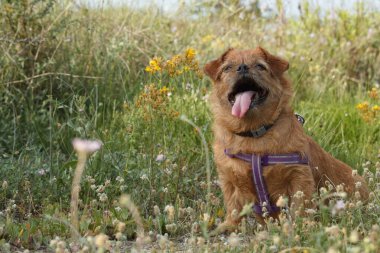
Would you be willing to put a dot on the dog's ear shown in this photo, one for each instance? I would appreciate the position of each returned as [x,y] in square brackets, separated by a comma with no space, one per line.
[277,64]
[212,68]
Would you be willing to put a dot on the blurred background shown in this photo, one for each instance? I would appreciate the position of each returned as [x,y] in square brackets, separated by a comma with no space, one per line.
[290,7]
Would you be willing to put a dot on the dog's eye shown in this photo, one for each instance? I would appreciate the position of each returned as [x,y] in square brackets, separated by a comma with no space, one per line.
[261,67]
[226,68]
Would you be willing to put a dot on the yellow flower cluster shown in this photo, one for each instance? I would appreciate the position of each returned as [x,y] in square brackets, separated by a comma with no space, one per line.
[155,65]
[362,106]
[370,112]
[373,93]
[154,101]
[190,54]
[8,8]
[175,66]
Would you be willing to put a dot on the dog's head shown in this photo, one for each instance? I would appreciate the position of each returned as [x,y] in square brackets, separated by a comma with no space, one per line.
[249,84]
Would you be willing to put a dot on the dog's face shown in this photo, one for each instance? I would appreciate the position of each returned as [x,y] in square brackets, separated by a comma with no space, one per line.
[249,83]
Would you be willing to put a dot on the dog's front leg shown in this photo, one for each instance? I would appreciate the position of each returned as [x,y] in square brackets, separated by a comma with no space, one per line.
[233,206]
[236,194]
[300,190]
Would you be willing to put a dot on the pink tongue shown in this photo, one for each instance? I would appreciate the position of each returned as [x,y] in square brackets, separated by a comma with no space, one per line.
[242,102]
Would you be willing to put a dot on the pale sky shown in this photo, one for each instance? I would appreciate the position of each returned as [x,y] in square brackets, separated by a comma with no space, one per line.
[290,5]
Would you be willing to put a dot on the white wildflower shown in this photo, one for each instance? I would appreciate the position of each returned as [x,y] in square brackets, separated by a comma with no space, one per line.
[206,217]
[86,146]
[163,241]
[310,211]
[103,197]
[156,210]
[282,202]
[4,185]
[276,240]
[201,241]
[101,240]
[171,228]
[233,240]
[333,230]
[354,237]
[119,179]
[41,172]
[299,195]
[160,158]
[339,205]
[101,188]
[121,226]
[119,236]
[169,209]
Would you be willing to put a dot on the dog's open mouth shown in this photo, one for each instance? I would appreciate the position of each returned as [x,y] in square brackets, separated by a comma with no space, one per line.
[246,94]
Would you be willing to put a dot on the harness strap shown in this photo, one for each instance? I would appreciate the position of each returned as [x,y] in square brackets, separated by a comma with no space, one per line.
[257,162]
[261,189]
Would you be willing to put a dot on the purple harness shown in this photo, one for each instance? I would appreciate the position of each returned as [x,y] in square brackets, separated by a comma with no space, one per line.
[257,162]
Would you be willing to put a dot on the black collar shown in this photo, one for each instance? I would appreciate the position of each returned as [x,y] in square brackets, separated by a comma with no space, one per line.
[255,133]
[264,129]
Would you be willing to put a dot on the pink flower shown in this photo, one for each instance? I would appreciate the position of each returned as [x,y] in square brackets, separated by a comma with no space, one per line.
[339,205]
[41,172]
[160,158]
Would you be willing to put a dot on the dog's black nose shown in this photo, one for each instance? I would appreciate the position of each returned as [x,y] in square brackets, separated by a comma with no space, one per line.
[242,69]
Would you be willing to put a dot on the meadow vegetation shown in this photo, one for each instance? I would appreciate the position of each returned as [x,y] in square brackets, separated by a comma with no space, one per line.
[125,76]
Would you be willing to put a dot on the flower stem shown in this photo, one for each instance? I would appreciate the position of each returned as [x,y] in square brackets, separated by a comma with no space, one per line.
[75,189]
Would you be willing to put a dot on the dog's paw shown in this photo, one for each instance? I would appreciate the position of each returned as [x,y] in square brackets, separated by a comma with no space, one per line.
[225,227]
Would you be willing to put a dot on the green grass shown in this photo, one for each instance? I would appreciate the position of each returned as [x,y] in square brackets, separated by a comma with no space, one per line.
[83,75]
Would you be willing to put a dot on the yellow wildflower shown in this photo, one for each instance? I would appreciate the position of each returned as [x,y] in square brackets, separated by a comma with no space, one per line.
[220,213]
[207,38]
[176,59]
[375,108]
[164,90]
[170,64]
[362,106]
[367,117]
[176,65]
[171,67]
[211,222]
[373,93]
[190,54]
[153,102]
[125,106]
[155,65]
[8,8]
[175,114]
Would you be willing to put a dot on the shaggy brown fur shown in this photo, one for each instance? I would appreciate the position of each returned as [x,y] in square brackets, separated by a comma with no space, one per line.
[286,136]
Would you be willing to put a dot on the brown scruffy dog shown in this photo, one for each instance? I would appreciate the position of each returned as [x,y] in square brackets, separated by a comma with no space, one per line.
[250,93]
